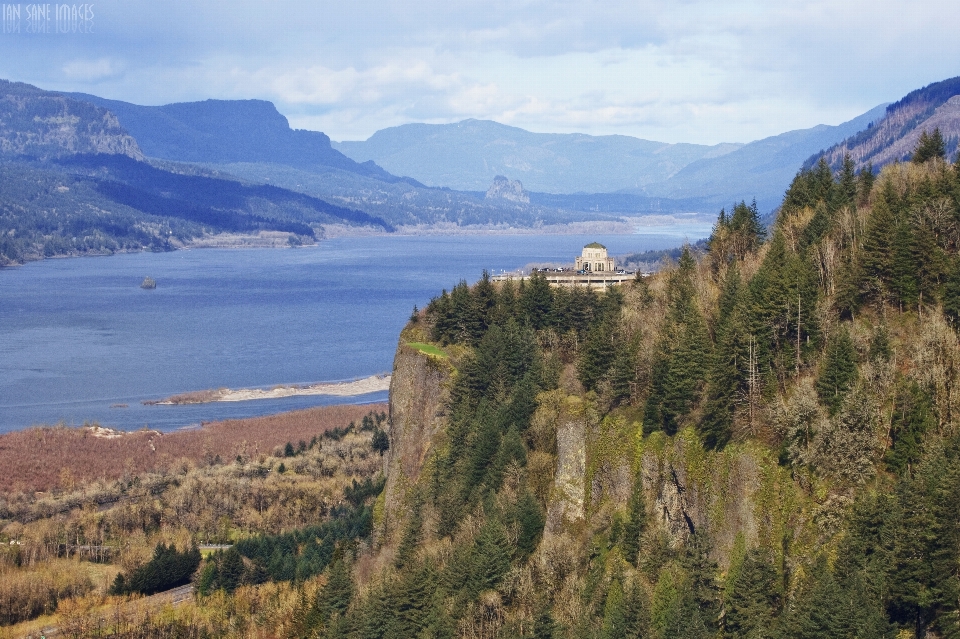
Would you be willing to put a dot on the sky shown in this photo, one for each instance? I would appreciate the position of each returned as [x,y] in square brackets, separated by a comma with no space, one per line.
[698,71]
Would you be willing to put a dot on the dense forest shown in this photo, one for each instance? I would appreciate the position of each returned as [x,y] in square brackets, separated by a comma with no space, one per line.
[101,204]
[760,440]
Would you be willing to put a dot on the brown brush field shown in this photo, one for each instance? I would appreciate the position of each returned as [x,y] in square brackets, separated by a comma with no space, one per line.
[61,458]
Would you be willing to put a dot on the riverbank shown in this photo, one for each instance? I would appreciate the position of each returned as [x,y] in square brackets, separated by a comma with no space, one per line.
[63,458]
[372,384]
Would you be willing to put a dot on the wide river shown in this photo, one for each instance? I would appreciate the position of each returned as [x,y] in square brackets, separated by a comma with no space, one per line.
[79,336]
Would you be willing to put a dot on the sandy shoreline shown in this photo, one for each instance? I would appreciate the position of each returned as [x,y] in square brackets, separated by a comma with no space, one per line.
[372,384]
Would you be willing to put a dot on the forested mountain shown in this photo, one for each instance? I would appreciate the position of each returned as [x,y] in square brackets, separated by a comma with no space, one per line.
[224,131]
[468,155]
[647,176]
[893,137]
[43,125]
[75,182]
[762,169]
[761,440]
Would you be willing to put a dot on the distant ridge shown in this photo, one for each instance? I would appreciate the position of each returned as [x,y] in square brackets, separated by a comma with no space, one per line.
[468,155]
[39,124]
[893,136]
[574,169]
[762,169]
[223,131]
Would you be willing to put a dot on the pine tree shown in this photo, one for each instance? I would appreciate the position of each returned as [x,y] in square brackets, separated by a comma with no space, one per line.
[336,596]
[537,302]
[682,351]
[846,193]
[598,355]
[636,522]
[903,267]
[727,373]
[929,147]
[754,600]
[818,610]
[865,180]
[913,417]
[838,372]
[951,292]
[878,238]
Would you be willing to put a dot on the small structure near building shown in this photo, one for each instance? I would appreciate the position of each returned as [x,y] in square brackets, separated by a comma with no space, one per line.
[593,269]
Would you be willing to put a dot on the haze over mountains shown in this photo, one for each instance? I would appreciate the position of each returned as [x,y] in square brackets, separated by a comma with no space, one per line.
[469,154]
[86,174]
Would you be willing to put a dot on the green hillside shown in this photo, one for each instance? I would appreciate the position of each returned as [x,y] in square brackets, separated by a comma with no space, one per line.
[761,440]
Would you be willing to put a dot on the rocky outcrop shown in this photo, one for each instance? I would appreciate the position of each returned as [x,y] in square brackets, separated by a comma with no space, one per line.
[505,189]
[419,395]
[741,497]
[45,125]
[568,498]
[740,492]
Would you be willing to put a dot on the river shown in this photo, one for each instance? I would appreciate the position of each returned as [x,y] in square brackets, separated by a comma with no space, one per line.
[80,341]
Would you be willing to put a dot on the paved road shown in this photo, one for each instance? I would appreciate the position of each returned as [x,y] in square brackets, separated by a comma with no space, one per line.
[175,597]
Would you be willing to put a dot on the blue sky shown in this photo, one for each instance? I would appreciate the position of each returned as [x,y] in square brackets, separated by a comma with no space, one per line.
[683,71]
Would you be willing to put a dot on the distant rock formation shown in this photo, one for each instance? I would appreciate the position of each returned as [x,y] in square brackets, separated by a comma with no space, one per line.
[506,189]
[45,125]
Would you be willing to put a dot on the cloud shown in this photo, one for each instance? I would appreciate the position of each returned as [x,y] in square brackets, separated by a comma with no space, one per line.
[693,70]
[87,70]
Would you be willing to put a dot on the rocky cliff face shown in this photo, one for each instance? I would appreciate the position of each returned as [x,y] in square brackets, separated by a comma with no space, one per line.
[419,392]
[741,495]
[46,125]
[505,189]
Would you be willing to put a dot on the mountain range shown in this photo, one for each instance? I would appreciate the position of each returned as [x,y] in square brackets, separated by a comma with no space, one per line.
[893,137]
[469,154]
[83,173]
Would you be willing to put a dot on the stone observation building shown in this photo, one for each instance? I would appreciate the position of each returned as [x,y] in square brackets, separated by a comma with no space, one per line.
[594,259]
[593,269]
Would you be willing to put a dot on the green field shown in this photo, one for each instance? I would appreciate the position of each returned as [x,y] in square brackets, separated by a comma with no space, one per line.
[428,349]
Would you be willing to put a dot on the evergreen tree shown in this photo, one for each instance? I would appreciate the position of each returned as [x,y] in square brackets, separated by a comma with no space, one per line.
[818,610]
[636,522]
[865,180]
[903,267]
[876,256]
[598,355]
[727,375]
[683,348]
[929,147]
[838,371]
[754,600]
[951,292]
[491,558]
[537,302]
[846,192]
[336,595]
[913,417]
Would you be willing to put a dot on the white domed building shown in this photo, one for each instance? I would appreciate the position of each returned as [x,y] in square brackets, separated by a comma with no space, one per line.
[595,260]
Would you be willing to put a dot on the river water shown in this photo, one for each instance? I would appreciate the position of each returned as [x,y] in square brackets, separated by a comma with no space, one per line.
[79,336]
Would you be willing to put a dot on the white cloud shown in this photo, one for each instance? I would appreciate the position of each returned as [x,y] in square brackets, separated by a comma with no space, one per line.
[90,70]
[694,70]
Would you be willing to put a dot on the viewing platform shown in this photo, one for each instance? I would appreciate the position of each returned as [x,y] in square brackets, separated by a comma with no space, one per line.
[569,277]
[592,269]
